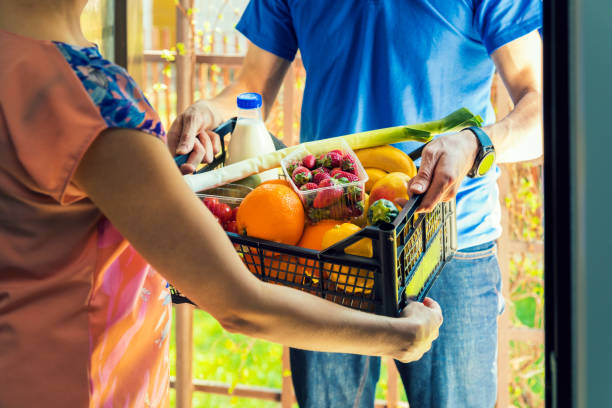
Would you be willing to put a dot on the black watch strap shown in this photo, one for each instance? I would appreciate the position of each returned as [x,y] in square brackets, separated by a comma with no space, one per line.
[486,153]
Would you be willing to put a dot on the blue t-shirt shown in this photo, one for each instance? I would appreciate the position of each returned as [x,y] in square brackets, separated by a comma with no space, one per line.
[378,63]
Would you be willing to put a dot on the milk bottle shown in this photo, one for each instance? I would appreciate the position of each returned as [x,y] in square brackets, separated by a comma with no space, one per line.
[250,137]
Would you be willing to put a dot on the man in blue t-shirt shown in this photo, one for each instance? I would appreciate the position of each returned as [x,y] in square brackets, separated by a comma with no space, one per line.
[378,63]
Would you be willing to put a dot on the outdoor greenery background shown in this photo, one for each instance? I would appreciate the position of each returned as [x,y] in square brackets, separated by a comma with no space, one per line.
[235,359]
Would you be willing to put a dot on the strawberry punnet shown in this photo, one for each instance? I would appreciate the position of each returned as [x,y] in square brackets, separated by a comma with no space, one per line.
[309,162]
[348,164]
[301,175]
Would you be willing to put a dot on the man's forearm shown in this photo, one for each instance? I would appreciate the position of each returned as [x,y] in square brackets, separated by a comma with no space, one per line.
[518,136]
[261,72]
[224,104]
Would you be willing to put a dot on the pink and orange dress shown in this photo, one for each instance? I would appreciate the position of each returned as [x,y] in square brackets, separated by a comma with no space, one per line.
[84,320]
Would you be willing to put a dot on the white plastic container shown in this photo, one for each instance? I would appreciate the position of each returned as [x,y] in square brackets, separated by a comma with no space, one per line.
[250,137]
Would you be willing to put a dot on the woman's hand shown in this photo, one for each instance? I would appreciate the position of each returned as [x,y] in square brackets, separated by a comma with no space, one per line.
[422,321]
[191,132]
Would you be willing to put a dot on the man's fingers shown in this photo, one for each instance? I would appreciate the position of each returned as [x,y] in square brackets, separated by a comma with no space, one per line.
[174,134]
[208,147]
[194,159]
[441,182]
[420,182]
[188,134]
[216,141]
[432,304]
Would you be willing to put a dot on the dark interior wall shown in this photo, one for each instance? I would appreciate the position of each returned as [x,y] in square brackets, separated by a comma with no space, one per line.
[591,146]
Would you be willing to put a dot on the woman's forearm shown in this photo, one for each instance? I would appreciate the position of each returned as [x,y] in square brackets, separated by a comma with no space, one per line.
[301,320]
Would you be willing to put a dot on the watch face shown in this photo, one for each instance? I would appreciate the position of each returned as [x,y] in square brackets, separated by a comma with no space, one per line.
[486,163]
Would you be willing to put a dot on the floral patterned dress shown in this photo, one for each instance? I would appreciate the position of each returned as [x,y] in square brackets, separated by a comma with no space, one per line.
[84,320]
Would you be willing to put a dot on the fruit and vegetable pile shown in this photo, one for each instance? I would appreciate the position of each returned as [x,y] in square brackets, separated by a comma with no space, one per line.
[323,200]
[329,190]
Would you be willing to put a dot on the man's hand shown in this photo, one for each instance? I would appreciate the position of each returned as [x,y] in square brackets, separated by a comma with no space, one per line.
[427,316]
[191,132]
[445,161]
[261,72]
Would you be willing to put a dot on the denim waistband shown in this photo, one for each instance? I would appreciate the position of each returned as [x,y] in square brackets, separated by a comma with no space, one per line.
[477,251]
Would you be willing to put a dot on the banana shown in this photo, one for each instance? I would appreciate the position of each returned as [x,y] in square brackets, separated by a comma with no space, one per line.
[373,176]
[387,158]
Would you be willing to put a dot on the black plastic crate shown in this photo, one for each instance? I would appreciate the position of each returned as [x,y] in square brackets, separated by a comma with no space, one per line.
[408,256]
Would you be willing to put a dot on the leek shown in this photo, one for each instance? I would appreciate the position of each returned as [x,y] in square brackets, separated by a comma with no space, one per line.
[422,132]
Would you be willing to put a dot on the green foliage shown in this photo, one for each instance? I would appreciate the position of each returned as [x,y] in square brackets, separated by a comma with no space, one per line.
[235,359]
[526,303]
[232,359]
[527,365]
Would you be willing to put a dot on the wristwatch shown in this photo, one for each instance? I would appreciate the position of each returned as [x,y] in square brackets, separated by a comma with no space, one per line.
[486,153]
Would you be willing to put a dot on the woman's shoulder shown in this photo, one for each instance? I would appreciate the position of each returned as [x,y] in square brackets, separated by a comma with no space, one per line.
[119,99]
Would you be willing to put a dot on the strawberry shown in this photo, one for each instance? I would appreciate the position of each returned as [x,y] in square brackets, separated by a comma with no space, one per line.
[328,196]
[319,177]
[320,170]
[340,152]
[348,164]
[328,182]
[292,166]
[301,175]
[335,170]
[332,159]
[309,186]
[309,162]
[320,160]
[349,177]
[354,194]
[353,211]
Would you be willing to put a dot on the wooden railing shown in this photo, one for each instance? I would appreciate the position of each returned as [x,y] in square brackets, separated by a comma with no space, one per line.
[215,70]
[507,246]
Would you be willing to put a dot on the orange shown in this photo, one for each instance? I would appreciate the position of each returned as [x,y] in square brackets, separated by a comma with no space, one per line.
[348,279]
[277,266]
[273,212]
[282,182]
[312,239]
[313,234]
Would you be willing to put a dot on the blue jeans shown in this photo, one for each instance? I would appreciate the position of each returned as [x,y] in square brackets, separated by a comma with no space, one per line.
[460,370]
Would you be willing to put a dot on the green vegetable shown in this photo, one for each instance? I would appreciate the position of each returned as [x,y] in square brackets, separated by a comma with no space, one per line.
[423,132]
[382,211]
[252,181]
